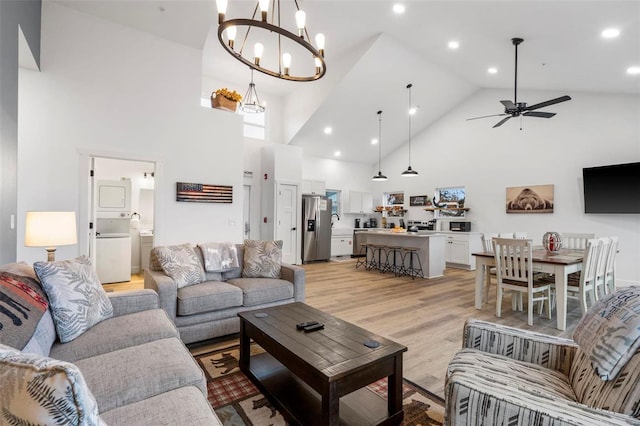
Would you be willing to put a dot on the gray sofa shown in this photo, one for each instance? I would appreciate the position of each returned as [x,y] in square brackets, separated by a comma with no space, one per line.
[210,309]
[134,364]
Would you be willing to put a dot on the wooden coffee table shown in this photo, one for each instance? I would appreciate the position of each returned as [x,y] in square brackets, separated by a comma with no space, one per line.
[320,378]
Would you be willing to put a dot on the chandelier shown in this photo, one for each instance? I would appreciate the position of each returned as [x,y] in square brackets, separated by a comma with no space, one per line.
[251,102]
[268,36]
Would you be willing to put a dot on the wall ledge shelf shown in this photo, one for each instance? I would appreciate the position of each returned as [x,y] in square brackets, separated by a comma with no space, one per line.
[434,209]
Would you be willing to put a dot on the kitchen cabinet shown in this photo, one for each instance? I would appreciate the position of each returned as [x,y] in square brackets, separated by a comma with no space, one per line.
[458,249]
[341,245]
[360,202]
[313,187]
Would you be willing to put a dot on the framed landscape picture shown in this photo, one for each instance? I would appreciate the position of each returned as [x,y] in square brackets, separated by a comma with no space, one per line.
[530,199]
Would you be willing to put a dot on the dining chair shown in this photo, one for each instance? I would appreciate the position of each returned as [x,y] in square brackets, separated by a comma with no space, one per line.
[573,240]
[610,282]
[488,247]
[601,268]
[520,235]
[505,235]
[514,270]
[584,283]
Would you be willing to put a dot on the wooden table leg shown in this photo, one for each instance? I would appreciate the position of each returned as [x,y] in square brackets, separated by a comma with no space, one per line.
[330,404]
[394,388]
[245,350]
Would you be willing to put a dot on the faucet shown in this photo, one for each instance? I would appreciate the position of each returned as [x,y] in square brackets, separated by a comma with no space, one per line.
[336,215]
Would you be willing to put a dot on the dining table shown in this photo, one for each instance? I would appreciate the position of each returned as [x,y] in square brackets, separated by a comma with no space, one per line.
[560,264]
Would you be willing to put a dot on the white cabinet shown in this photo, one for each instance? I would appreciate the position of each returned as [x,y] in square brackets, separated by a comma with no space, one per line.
[459,248]
[360,202]
[146,244]
[341,246]
[313,187]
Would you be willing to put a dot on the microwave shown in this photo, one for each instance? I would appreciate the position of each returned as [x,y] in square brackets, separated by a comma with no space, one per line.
[460,226]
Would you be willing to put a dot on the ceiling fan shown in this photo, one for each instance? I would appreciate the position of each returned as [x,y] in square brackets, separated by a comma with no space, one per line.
[515,108]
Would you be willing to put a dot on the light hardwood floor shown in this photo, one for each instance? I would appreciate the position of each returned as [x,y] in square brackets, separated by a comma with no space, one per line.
[425,315]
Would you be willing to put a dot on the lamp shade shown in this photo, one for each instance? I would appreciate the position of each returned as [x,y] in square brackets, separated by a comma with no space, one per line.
[49,229]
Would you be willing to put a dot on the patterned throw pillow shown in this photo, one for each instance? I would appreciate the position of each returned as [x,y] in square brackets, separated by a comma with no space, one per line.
[181,264]
[78,301]
[262,259]
[22,305]
[43,391]
[609,333]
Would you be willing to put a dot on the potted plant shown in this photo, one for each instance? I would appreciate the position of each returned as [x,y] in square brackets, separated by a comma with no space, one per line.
[225,99]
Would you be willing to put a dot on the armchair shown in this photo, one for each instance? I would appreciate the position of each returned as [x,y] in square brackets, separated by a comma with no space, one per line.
[508,376]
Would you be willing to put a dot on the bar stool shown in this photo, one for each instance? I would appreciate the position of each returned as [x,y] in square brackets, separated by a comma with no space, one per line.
[377,264]
[412,252]
[362,256]
[371,262]
[394,267]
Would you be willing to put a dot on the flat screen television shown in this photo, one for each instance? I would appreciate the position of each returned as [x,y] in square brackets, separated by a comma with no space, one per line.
[612,189]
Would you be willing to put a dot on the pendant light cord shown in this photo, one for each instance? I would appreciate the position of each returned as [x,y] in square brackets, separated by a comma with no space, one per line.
[409,111]
[379,141]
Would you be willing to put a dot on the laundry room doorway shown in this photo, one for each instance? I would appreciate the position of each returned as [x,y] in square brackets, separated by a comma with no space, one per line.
[120,216]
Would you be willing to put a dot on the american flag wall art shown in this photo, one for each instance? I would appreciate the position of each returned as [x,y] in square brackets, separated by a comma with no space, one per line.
[203,193]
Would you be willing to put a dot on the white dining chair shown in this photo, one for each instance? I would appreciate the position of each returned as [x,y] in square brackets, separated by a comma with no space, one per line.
[610,281]
[520,235]
[601,268]
[505,235]
[572,240]
[583,284]
[514,270]
[488,247]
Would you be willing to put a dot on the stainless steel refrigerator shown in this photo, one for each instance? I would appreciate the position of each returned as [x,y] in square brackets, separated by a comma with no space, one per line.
[316,228]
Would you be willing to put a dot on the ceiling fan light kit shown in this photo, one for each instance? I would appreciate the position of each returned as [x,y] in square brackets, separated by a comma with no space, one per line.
[517,109]
[269,21]
[410,172]
[379,177]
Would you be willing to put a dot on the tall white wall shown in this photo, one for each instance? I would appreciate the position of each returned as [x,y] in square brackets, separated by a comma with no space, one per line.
[105,88]
[590,130]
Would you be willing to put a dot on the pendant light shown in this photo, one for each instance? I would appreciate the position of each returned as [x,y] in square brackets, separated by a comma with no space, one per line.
[379,177]
[251,102]
[410,172]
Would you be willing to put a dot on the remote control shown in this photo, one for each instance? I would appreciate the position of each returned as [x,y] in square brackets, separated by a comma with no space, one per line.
[302,325]
[314,327]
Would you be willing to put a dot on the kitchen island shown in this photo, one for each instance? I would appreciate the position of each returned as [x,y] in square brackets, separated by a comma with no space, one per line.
[431,248]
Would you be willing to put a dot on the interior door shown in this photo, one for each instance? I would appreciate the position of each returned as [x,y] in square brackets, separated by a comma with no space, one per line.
[286,222]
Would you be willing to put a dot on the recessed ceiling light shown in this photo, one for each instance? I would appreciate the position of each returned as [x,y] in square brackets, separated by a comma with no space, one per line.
[413,110]
[328,130]
[398,8]
[635,70]
[374,141]
[610,33]
[337,154]
[492,70]
[453,45]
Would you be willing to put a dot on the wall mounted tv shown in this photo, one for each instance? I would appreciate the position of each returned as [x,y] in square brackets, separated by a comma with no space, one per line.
[612,189]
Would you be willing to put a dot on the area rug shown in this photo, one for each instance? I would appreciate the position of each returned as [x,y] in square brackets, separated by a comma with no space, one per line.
[237,402]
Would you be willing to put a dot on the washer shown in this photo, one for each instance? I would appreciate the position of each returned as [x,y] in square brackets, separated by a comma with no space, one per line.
[113,257]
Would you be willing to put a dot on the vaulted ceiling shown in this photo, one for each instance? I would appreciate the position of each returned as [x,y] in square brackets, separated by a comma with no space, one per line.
[372,54]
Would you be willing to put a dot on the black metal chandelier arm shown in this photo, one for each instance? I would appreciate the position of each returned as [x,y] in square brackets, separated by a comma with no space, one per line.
[322,69]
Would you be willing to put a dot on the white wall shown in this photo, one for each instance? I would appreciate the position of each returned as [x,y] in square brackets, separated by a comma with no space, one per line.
[108,88]
[590,130]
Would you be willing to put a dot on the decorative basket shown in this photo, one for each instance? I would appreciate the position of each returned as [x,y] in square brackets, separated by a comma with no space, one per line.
[220,102]
[552,242]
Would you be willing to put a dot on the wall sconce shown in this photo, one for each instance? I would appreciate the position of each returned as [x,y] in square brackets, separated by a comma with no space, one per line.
[50,229]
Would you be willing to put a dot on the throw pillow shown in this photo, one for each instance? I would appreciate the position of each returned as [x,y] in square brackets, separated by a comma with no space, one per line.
[78,301]
[609,333]
[262,259]
[181,264]
[219,257]
[43,391]
[22,305]
[154,263]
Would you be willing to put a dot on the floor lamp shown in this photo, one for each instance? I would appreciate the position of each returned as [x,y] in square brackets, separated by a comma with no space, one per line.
[50,229]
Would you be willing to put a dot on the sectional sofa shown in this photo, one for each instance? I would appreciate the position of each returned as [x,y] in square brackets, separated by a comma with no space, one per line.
[129,369]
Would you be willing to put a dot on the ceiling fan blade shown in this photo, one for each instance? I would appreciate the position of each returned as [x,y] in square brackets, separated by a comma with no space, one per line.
[509,105]
[486,116]
[539,114]
[547,103]
[501,122]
